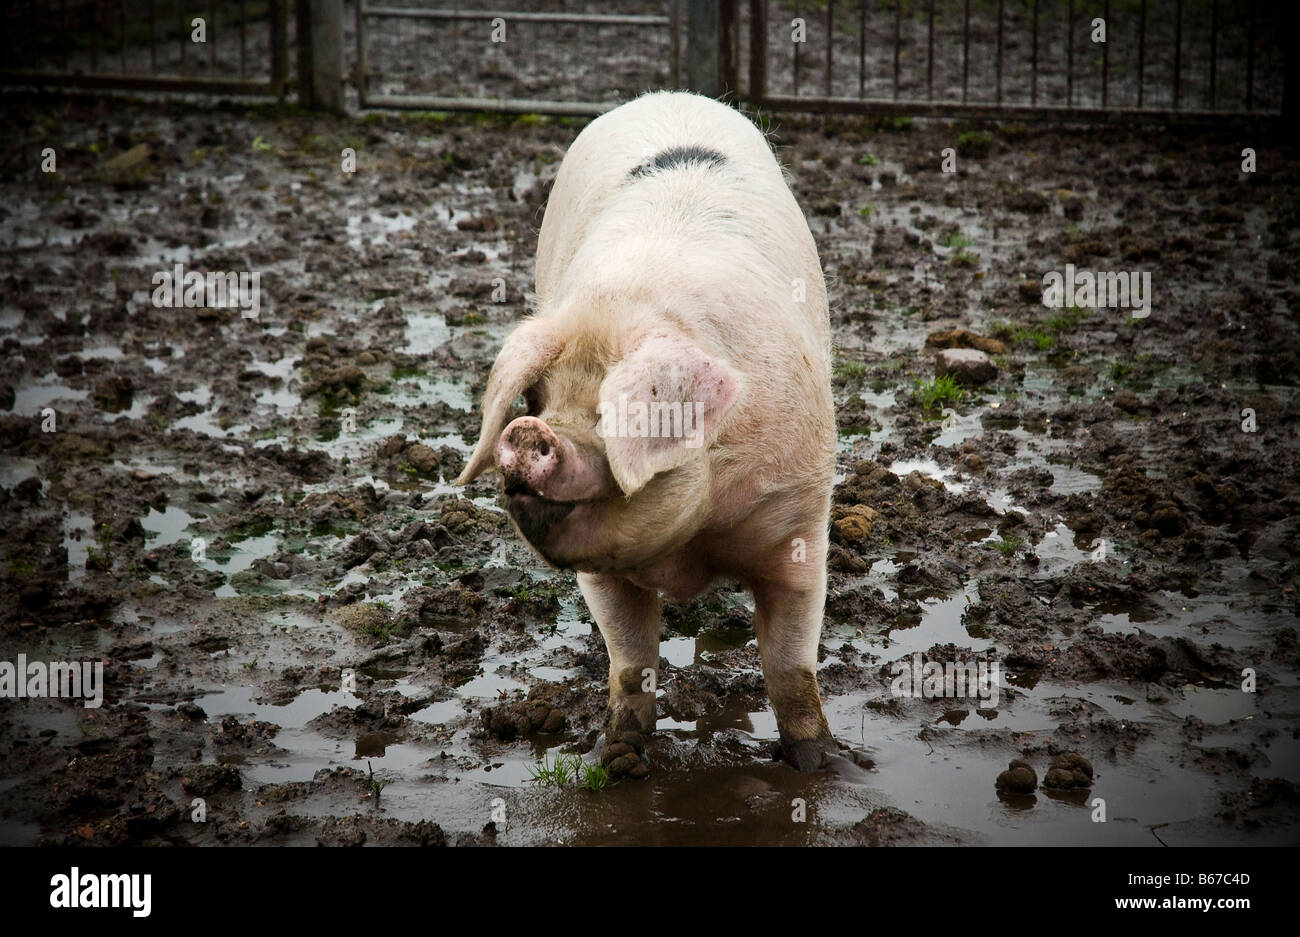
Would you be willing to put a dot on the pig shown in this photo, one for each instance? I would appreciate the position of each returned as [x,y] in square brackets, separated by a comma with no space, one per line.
[679,427]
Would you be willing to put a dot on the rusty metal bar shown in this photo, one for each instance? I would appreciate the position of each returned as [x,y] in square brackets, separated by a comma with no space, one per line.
[1142,49]
[1069,56]
[862,48]
[137,83]
[1050,112]
[1000,11]
[675,42]
[796,52]
[830,35]
[1105,57]
[757,49]
[898,43]
[1033,61]
[965,52]
[278,11]
[1178,51]
[590,19]
[1250,58]
[1214,47]
[363,56]
[497,105]
[929,63]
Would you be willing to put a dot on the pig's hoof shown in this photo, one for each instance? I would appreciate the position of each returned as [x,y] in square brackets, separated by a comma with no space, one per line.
[809,754]
[623,756]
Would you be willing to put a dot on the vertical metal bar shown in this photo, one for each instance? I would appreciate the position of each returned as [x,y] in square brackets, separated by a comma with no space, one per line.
[1178,50]
[929,62]
[675,47]
[1142,49]
[898,42]
[862,48]
[1214,47]
[211,35]
[830,35]
[728,48]
[757,50]
[1000,11]
[94,42]
[796,53]
[1105,58]
[1250,58]
[63,19]
[1069,56]
[965,51]
[121,25]
[243,41]
[153,39]
[363,66]
[184,37]
[278,10]
[1033,61]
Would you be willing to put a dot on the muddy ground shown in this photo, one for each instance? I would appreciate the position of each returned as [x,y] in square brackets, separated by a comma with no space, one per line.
[303,625]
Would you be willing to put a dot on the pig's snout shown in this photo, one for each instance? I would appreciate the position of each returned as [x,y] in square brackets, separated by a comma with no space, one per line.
[529,455]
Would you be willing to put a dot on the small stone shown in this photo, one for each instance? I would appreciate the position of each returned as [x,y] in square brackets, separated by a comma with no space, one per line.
[967,365]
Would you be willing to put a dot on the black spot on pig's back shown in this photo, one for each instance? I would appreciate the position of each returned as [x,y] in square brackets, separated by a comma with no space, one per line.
[678,156]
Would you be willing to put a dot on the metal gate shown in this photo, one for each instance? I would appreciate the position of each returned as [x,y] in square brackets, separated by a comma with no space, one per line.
[1176,61]
[220,47]
[476,58]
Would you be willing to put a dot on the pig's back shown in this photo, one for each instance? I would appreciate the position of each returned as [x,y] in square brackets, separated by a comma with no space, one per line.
[626,169]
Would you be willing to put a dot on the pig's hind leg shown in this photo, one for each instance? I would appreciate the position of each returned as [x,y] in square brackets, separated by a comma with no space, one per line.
[628,618]
[787,622]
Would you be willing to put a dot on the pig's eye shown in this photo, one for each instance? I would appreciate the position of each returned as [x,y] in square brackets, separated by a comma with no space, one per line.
[533,401]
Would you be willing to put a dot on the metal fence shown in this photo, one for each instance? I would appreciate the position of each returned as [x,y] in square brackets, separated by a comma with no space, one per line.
[477,57]
[230,47]
[1114,60]
[1169,61]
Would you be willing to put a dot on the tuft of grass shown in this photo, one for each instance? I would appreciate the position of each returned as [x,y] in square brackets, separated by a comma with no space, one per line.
[868,160]
[1008,546]
[955,239]
[373,784]
[1043,340]
[564,769]
[594,776]
[866,210]
[850,370]
[932,395]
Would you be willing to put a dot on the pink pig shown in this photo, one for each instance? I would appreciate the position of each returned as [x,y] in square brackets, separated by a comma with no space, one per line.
[680,428]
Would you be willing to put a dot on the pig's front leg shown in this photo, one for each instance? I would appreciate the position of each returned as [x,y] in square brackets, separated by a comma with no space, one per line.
[628,618]
[787,621]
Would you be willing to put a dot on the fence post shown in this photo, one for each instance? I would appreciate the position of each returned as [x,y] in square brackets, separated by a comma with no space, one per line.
[278,11]
[320,55]
[704,47]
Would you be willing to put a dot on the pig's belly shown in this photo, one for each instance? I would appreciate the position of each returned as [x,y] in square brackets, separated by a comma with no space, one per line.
[680,577]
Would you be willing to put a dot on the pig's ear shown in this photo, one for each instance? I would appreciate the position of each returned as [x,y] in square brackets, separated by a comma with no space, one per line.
[663,369]
[524,356]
